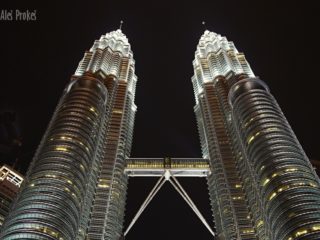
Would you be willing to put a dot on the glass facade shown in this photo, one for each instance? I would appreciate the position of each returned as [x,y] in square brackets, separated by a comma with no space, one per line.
[288,186]
[51,200]
[10,182]
[75,187]
[216,59]
[262,184]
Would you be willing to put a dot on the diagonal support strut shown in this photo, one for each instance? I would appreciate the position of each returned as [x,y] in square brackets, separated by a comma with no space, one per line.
[167,176]
[153,192]
[191,204]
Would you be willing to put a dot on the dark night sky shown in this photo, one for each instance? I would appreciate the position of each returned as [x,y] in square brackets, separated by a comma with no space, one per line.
[279,41]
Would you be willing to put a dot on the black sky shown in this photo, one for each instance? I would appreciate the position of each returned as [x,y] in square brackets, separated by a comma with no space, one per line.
[280,41]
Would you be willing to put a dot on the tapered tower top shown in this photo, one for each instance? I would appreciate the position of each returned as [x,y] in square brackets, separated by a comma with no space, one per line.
[115,40]
[217,57]
[112,55]
[212,42]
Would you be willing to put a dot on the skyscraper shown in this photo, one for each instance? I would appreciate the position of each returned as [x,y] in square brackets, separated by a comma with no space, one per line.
[262,184]
[75,186]
[10,182]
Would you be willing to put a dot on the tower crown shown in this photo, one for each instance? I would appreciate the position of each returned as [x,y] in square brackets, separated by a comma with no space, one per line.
[115,40]
[213,42]
[217,57]
[112,55]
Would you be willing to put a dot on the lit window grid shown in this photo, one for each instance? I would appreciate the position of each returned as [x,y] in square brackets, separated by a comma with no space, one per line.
[57,179]
[232,206]
[274,151]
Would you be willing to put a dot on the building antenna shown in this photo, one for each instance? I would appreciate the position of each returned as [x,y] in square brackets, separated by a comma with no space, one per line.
[204,25]
[121,22]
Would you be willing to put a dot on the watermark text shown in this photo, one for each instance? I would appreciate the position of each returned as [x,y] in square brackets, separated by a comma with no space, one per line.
[18,15]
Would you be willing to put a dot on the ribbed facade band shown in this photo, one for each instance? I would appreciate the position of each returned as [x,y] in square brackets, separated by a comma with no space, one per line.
[51,200]
[288,185]
[76,186]
[262,184]
[218,63]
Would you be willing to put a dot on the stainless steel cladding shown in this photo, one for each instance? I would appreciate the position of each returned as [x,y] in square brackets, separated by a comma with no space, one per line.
[262,184]
[76,185]
[51,200]
[288,185]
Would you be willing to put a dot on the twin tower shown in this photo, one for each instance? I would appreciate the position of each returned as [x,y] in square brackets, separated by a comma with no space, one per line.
[260,181]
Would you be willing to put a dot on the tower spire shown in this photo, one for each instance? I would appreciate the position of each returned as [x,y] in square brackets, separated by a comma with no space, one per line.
[204,25]
[121,22]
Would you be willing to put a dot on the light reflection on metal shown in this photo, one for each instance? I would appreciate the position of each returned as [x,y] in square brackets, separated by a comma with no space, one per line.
[250,144]
[261,183]
[179,167]
[76,186]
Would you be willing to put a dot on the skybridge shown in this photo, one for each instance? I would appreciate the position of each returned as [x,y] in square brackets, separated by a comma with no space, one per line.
[167,169]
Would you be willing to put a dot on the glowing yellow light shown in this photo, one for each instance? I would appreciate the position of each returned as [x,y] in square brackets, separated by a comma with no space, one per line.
[274,175]
[64,138]
[92,109]
[272,195]
[316,227]
[103,185]
[248,231]
[61,149]
[291,170]
[238,186]
[313,185]
[250,139]
[117,111]
[299,184]
[260,223]
[251,119]
[266,181]
[237,198]
[302,232]
[50,175]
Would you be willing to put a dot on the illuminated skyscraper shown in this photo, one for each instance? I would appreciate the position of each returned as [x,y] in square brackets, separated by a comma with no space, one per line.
[262,184]
[75,187]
